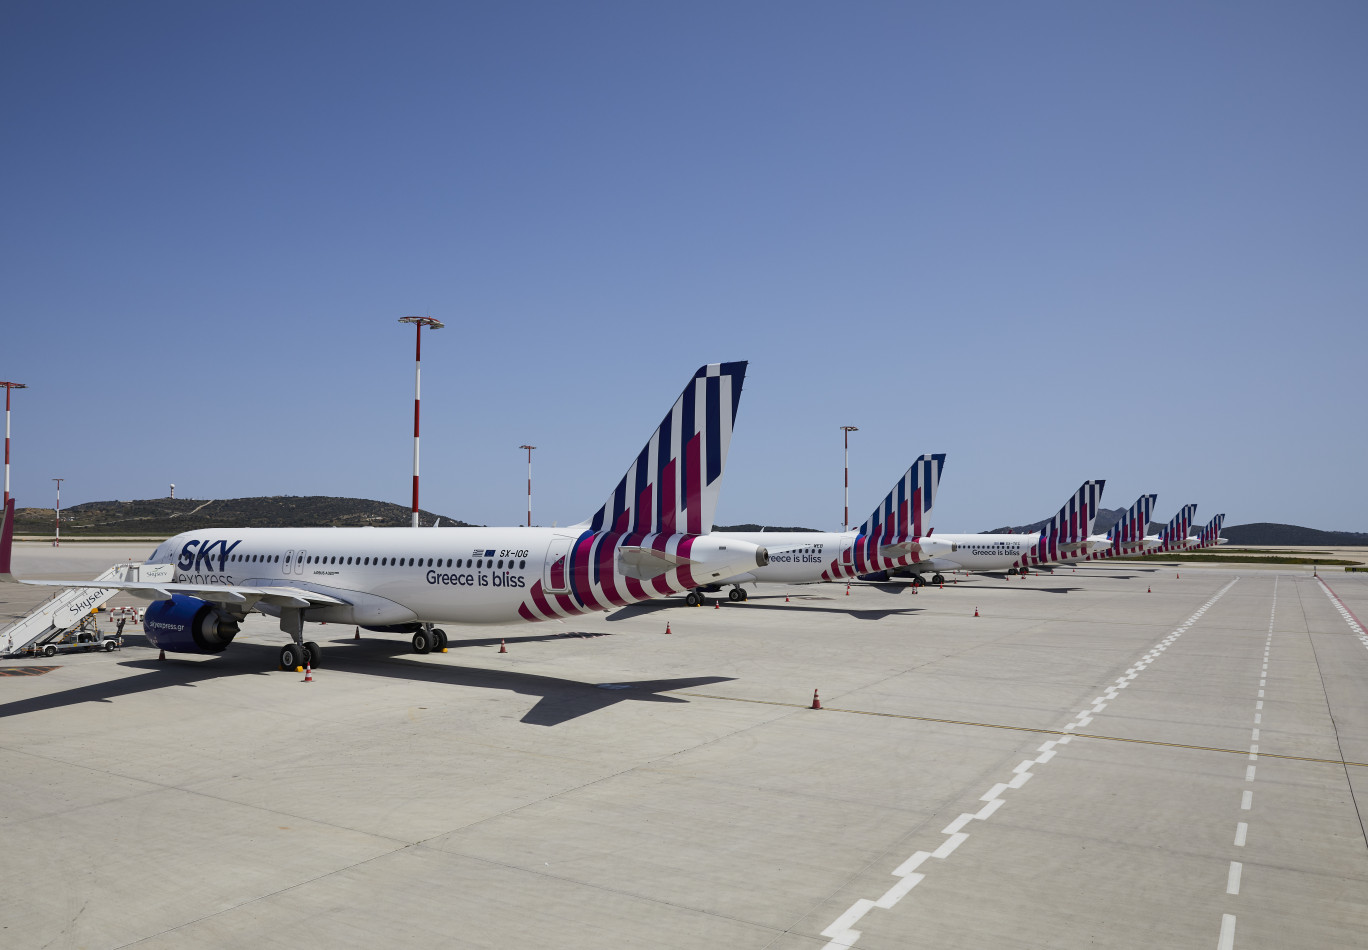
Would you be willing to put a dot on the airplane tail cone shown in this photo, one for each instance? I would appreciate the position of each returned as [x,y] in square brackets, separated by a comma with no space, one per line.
[816,703]
[308,672]
[503,648]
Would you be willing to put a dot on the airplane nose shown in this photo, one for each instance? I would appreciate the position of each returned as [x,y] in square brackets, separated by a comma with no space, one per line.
[761,557]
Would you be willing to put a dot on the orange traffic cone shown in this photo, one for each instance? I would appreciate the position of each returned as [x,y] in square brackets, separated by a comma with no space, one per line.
[816,703]
[667,626]
[786,598]
[1149,590]
[717,604]
[502,647]
[358,634]
[1177,576]
[162,655]
[975,611]
[847,590]
[308,672]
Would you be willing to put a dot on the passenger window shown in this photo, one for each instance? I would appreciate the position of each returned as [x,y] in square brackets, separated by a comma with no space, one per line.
[501,564]
[521,565]
[410,564]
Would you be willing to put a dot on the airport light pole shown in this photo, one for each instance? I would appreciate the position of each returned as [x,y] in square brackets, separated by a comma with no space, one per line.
[57,537]
[419,323]
[845,522]
[8,387]
[529,481]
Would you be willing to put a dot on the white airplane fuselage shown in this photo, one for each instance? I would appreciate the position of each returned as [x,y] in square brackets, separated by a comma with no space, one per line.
[795,557]
[977,553]
[392,576]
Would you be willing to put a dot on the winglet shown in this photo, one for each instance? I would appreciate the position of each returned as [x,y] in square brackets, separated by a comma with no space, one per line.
[7,544]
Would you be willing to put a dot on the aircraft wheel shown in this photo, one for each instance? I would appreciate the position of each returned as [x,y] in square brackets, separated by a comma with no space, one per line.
[745,594]
[291,655]
[422,642]
[1011,570]
[691,599]
[314,654]
[439,640]
[49,650]
[735,594]
[938,579]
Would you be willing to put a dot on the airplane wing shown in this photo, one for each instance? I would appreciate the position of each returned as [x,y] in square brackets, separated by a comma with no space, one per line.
[217,593]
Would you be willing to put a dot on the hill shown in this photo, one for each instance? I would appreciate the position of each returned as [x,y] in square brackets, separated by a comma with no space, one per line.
[167,516]
[757,527]
[1264,532]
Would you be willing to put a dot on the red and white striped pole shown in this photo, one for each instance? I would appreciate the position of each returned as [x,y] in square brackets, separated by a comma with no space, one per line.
[529,481]
[418,322]
[8,387]
[845,522]
[57,537]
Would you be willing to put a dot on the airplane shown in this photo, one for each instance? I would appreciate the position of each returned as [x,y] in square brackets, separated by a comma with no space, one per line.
[1128,534]
[1066,533]
[890,537]
[1173,536]
[649,540]
[1210,536]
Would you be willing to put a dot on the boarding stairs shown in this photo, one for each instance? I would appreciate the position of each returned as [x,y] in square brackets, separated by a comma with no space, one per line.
[62,612]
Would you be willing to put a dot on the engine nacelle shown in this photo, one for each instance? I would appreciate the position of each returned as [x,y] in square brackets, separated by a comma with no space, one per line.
[188,625]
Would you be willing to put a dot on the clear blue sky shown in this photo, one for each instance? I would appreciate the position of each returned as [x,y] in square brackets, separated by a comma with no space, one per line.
[1054,240]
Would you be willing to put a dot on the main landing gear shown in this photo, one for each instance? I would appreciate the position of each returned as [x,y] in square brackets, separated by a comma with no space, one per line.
[738,593]
[429,638]
[938,579]
[693,599]
[297,654]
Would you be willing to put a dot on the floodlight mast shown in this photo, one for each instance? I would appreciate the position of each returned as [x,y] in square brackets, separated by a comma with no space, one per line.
[8,387]
[419,323]
[529,481]
[57,537]
[845,521]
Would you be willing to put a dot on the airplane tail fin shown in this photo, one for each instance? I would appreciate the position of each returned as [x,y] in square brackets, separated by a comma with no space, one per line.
[1212,532]
[672,485]
[7,544]
[1074,522]
[1133,524]
[905,513]
[1177,529]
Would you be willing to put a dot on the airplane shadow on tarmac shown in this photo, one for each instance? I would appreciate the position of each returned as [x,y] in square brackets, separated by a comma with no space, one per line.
[637,611]
[558,700]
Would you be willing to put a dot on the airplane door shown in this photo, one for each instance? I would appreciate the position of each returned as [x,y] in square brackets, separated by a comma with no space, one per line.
[556,569]
[287,565]
[847,557]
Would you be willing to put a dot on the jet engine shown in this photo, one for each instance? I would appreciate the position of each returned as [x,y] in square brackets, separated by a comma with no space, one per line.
[189,625]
